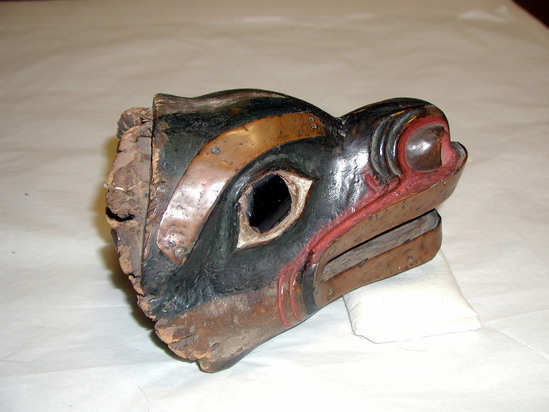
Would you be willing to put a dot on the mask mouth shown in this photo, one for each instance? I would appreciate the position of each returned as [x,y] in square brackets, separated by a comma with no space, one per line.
[391,239]
[127,187]
[389,253]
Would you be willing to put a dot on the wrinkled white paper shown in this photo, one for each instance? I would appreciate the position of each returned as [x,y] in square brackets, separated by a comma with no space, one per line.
[424,301]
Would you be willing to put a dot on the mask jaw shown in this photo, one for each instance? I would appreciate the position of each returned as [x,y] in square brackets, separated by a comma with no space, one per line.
[219,332]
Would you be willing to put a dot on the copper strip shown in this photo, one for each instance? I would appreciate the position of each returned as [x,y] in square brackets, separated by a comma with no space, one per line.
[214,165]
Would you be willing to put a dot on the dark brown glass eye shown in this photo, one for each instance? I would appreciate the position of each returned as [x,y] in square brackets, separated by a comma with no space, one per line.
[423,148]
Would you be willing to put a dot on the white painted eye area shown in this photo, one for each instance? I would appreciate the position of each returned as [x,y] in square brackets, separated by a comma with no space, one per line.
[270,205]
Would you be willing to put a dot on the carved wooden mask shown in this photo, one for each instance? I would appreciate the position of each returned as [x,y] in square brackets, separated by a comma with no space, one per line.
[239,214]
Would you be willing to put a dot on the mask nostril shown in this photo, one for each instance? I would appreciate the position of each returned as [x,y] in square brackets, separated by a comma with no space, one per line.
[423,148]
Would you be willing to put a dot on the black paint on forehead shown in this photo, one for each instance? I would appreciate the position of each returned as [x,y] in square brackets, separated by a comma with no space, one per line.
[182,126]
[203,118]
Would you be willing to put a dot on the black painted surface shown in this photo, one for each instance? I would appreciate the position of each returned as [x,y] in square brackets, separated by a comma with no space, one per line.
[215,266]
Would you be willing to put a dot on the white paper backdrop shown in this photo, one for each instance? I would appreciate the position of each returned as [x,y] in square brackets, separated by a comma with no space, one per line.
[71,336]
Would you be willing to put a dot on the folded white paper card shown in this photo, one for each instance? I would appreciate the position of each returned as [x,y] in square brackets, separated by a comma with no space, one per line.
[424,301]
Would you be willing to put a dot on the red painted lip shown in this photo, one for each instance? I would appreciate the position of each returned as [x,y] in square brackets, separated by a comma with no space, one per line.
[409,185]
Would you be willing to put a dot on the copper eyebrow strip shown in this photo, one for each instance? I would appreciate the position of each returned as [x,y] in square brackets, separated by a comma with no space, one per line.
[214,165]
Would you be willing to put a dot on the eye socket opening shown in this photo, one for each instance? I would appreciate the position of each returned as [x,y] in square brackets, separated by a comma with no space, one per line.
[269,203]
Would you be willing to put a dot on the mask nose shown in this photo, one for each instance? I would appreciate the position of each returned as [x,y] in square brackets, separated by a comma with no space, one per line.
[393,127]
